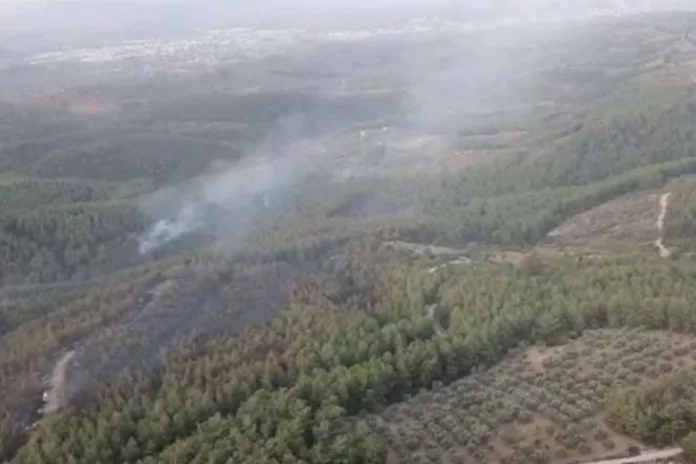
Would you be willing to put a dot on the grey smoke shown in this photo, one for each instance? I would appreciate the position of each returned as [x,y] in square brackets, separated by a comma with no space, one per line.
[186,221]
[475,74]
[240,193]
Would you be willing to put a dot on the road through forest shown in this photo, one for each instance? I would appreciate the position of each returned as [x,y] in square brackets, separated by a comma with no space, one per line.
[56,396]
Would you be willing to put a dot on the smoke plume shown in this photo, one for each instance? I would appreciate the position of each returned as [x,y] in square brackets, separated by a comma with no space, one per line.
[229,201]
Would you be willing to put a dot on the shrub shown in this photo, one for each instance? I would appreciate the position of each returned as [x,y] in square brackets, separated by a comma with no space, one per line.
[585,448]
[681,350]
[525,417]
[510,436]
[665,368]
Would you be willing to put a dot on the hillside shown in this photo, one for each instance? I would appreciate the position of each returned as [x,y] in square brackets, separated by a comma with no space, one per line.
[538,405]
[423,242]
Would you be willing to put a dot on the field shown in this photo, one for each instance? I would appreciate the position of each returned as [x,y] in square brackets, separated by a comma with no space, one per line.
[540,405]
[628,223]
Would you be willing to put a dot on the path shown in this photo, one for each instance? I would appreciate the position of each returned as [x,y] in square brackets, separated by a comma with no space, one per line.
[55,398]
[644,458]
[664,205]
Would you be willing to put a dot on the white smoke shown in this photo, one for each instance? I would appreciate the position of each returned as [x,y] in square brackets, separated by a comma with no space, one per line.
[188,220]
[241,191]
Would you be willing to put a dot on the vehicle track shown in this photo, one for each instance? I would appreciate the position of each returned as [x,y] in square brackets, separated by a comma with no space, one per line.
[56,397]
[664,206]
[653,456]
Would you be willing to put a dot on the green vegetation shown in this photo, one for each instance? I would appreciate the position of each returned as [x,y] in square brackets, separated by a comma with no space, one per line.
[661,415]
[72,241]
[681,218]
[314,323]
[538,405]
[325,367]
[163,159]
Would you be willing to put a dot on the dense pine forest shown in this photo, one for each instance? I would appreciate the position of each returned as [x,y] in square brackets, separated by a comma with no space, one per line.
[304,259]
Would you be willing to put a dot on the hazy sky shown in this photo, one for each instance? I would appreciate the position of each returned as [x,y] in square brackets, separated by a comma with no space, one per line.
[110,15]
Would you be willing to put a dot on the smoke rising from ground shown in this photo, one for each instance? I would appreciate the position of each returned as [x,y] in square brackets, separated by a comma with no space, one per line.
[239,194]
[478,74]
[188,220]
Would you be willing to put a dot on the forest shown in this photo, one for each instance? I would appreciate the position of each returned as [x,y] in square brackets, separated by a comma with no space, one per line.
[347,267]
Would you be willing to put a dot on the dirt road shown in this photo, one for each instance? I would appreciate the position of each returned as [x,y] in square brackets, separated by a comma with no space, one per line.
[645,458]
[664,205]
[55,397]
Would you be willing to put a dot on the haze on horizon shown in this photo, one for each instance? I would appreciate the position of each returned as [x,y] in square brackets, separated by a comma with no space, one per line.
[89,16]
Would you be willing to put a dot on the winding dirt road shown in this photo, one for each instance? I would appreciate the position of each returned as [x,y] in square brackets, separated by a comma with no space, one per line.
[664,206]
